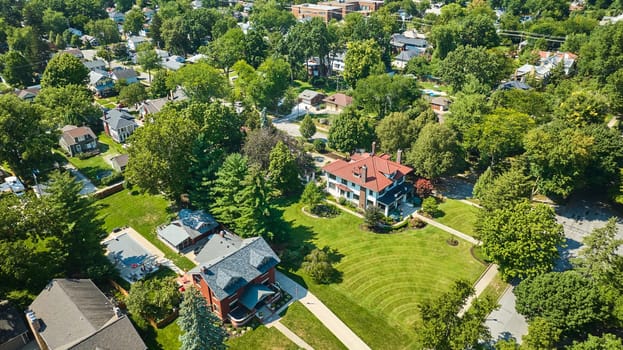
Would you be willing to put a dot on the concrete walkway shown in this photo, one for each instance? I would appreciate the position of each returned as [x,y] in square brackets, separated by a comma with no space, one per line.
[450,230]
[326,316]
[290,335]
[481,284]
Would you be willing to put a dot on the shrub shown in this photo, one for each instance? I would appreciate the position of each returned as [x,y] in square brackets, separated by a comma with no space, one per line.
[430,207]
[342,201]
[320,146]
[312,195]
[423,187]
[111,179]
[416,223]
[319,267]
[373,217]
[325,210]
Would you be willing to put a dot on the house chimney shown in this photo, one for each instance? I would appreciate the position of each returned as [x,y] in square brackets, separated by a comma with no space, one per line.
[364,174]
[399,156]
[373,148]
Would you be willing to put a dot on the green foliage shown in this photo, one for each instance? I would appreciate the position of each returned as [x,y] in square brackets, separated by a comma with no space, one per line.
[615,90]
[436,152]
[283,170]
[423,188]
[307,127]
[270,83]
[373,217]
[501,133]
[363,58]
[466,114]
[260,142]
[349,131]
[601,55]
[25,139]
[64,69]
[430,206]
[201,328]
[382,94]
[467,60]
[567,300]
[134,21]
[153,298]
[598,257]
[506,190]
[16,70]
[312,195]
[133,94]
[104,30]
[200,81]
[70,104]
[148,59]
[606,341]
[534,103]
[255,210]
[320,146]
[227,184]
[227,49]
[272,16]
[584,107]
[523,239]
[319,266]
[441,326]
[542,334]
[158,87]
[482,184]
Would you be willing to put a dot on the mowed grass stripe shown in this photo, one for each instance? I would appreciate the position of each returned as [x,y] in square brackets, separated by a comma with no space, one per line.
[385,276]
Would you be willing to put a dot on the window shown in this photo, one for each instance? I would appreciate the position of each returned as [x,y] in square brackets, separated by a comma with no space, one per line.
[331,176]
[344,182]
[356,197]
[331,185]
[231,303]
[370,193]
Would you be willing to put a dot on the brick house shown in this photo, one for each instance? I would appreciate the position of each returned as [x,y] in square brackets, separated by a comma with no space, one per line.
[308,11]
[369,179]
[242,278]
[76,140]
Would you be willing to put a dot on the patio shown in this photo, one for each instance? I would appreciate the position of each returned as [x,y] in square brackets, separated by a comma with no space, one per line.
[132,260]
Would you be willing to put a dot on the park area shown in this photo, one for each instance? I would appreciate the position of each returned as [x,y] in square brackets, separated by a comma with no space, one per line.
[384,276]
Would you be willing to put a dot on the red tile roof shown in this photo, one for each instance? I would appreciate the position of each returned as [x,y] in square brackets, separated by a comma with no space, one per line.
[381,171]
[339,99]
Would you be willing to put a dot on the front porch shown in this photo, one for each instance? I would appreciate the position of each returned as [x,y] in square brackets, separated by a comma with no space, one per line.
[394,198]
[252,304]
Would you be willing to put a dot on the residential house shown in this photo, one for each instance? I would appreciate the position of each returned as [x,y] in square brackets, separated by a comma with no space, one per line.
[148,107]
[547,61]
[190,227]
[120,162]
[236,282]
[369,180]
[173,63]
[28,94]
[440,104]
[148,13]
[13,330]
[514,85]
[610,19]
[337,102]
[401,60]
[119,124]
[74,52]
[337,61]
[74,314]
[308,11]
[12,185]
[124,74]
[311,98]
[135,41]
[196,58]
[101,84]
[401,42]
[89,40]
[117,17]
[95,65]
[76,140]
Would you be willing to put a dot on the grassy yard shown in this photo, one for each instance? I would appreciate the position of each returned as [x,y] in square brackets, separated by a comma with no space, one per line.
[384,276]
[144,213]
[261,338]
[434,86]
[108,102]
[496,288]
[304,324]
[458,215]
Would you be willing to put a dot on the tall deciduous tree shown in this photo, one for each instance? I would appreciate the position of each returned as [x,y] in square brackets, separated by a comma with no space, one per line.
[134,21]
[542,334]
[70,104]
[363,58]
[349,131]
[104,30]
[200,82]
[470,60]
[599,258]
[396,131]
[382,94]
[606,341]
[523,240]
[227,49]
[133,94]
[200,327]
[64,69]
[501,134]
[270,83]
[436,152]
[16,70]
[283,170]
[307,127]
[147,58]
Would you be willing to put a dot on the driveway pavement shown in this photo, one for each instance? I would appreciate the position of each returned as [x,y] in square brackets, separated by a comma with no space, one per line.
[506,322]
[87,185]
[292,129]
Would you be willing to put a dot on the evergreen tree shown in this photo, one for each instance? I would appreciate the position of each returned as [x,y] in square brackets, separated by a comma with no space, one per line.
[254,205]
[227,184]
[200,327]
[283,170]
[312,195]
[307,127]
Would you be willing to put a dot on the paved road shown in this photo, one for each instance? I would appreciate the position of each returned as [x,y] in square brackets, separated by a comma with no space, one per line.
[326,316]
[292,129]
[506,322]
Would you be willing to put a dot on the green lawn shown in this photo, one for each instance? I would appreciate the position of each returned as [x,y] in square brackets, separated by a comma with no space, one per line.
[458,215]
[304,324]
[144,213]
[166,338]
[434,86]
[384,276]
[496,288]
[261,338]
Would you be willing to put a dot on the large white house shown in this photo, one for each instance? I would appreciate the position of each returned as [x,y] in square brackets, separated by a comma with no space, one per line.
[369,179]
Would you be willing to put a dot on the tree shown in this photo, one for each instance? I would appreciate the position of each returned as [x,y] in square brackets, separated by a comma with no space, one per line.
[601,56]
[64,69]
[270,83]
[255,48]
[363,58]
[424,188]
[396,131]
[615,90]
[470,60]
[54,21]
[200,81]
[598,257]
[227,184]
[175,36]
[254,206]
[104,30]
[312,195]
[506,190]
[159,153]
[133,94]
[200,327]
[16,70]
[348,132]
[382,94]
[606,341]
[372,217]
[227,49]
[430,206]
[283,170]
[70,105]
[436,152]
[542,334]
[29,43]
[584,107]
[260,142]
[501,134]
[106,54]
[272,16]
[153,298]
[158,87]
[479,31]
[482,184]
[134,21]
[567,300]
[319,267]
[155,30]
[442,328]
[523,240]
[307,127]
[147,58]
[25,139]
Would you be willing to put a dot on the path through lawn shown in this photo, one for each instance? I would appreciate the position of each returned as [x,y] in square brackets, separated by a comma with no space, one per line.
[385,276]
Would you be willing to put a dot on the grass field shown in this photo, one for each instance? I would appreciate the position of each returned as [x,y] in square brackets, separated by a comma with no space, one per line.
[261,338]
[384,276]
[459,216]
[96,167]
[304,324]
[144,213]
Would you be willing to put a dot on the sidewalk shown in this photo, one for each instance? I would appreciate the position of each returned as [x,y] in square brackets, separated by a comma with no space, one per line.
[326,316]
[485,279]
[448,229]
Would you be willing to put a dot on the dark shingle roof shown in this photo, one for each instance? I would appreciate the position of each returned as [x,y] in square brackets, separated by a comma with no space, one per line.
[117,335]
[226,274]
[117,118]
[11,322]
[124,74]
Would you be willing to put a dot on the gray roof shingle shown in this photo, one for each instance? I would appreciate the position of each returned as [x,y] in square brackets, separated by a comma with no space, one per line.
[118,335]
[11,322]
[117,119]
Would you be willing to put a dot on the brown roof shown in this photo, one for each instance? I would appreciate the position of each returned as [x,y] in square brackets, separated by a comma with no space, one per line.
[121,160]
[339,99]
[381,171]
[70,134]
